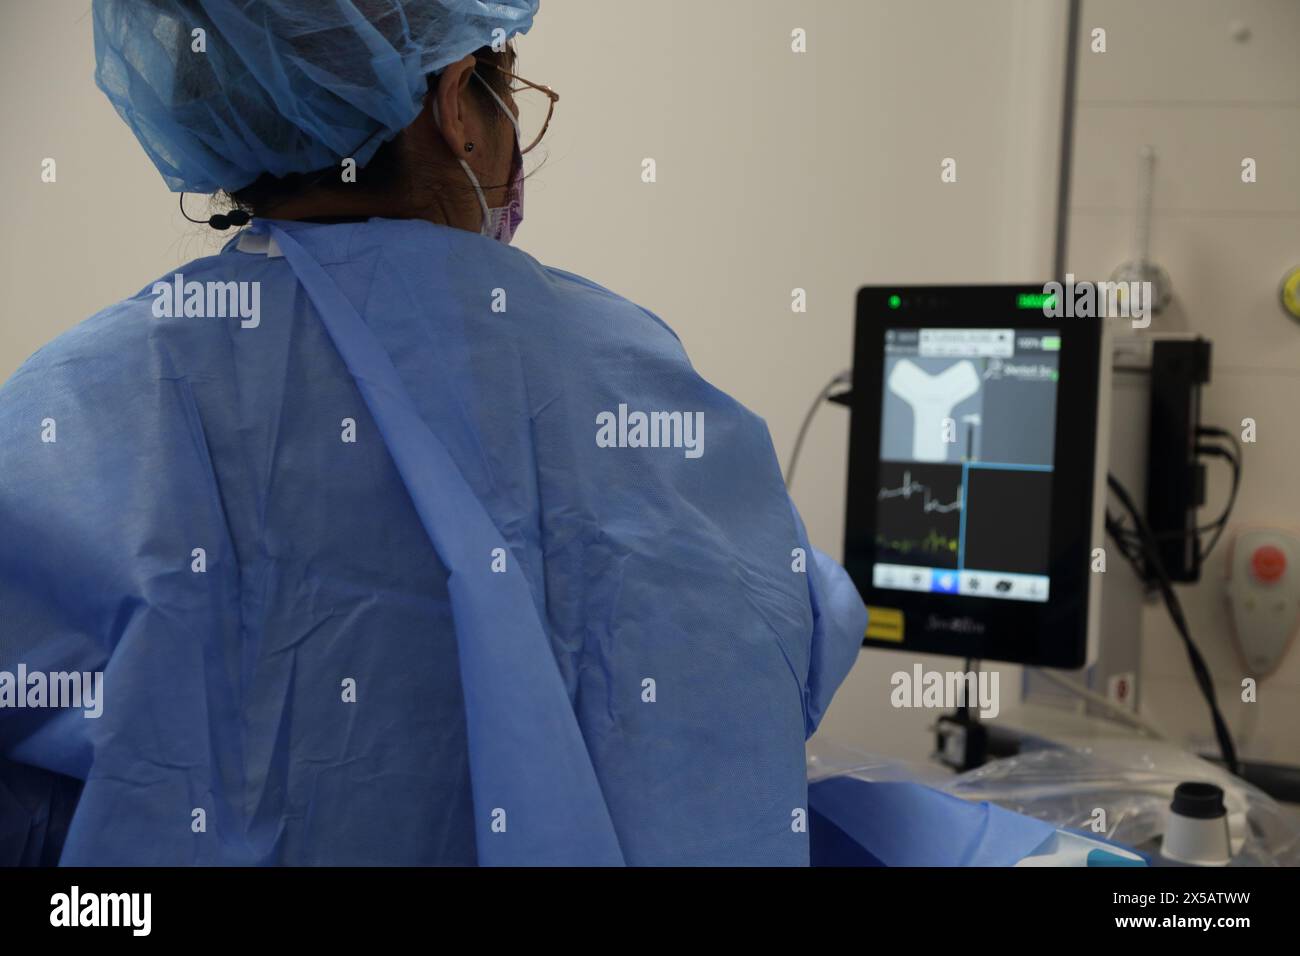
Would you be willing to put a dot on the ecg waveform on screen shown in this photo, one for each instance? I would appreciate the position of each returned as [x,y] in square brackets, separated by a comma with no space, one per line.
[910,488]
[932,544]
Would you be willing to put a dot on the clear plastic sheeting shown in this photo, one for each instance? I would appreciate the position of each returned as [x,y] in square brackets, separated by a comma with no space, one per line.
[867,811]
[826,758]
[1133,782]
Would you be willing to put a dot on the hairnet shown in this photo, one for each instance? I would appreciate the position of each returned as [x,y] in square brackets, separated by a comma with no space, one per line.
[279,86]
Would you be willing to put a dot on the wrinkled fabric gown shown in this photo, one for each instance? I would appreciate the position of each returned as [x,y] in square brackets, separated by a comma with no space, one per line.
[365,589]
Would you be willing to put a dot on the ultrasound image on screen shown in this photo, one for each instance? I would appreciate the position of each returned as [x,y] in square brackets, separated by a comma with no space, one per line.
[967,448]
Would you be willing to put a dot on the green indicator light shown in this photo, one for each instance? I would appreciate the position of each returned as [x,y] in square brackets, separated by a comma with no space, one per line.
[1035,300]
[1051,343]
[895,301]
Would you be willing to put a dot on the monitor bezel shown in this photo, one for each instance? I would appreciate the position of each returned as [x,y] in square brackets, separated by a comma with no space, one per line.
[1053,633]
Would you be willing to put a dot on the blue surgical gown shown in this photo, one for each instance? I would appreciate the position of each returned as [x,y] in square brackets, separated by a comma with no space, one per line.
[364,588]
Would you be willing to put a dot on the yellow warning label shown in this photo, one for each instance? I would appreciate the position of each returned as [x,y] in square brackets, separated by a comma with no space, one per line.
[884,623]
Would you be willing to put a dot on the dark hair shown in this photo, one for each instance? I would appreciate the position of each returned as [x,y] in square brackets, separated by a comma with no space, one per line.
[387,175]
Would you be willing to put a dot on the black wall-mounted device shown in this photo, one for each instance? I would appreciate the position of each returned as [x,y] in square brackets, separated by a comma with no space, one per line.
[1175,474]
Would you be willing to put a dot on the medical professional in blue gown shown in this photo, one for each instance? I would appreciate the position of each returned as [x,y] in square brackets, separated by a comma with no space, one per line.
[404,548]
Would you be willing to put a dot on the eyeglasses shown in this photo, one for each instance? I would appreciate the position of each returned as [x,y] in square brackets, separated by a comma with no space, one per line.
[552,98]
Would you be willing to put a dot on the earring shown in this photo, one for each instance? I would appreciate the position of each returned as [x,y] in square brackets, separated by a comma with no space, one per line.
[469,147]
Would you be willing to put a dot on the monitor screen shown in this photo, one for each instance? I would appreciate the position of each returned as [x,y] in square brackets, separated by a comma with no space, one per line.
[971,518]
[968,426]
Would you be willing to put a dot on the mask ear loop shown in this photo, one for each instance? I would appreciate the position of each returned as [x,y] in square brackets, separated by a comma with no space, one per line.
[514,120]
[473,180]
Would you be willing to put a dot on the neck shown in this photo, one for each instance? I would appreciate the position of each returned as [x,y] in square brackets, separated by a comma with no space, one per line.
[348,209]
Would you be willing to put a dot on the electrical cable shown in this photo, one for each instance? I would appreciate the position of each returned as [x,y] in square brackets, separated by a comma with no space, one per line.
[1222,522]
[1129,540]
[843,378]
[1118,711]
[1200,671]
[1236,460]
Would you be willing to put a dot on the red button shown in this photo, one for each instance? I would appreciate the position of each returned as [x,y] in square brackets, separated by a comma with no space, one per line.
[1268,563]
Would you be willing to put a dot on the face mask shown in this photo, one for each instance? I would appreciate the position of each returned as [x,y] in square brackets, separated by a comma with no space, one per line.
[500,223]
[503,221]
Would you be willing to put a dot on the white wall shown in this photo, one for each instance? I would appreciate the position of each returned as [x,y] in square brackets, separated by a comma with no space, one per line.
[108,224]
[1173,76]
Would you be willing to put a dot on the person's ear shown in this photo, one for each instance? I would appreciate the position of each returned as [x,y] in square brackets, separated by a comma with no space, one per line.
[450,97]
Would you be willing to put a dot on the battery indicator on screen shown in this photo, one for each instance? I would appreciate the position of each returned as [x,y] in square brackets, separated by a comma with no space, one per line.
[1035,300]
[1051,343]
